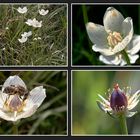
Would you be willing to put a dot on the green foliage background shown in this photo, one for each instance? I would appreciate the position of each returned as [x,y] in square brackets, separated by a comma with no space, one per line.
[87,118]
[51,117]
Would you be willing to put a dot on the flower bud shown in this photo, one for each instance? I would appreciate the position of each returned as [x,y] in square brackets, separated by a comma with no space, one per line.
[118,100]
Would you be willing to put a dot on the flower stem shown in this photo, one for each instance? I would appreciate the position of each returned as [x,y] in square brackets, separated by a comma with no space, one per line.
[85,14]
[126,57]
[123,124]
[15,128]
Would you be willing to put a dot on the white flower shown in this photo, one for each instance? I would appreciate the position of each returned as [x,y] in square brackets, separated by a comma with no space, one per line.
[34,23]
[38,38]
[13,104]
[26,34]
[22,39]
[22,10]
[119,101]
[116,35]
[43,12]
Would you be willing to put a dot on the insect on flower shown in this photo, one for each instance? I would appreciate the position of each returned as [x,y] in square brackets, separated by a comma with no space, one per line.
[119,101]
[16,102]
[17,90]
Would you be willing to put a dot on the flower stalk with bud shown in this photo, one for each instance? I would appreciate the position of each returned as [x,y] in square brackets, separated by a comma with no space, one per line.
[119,105]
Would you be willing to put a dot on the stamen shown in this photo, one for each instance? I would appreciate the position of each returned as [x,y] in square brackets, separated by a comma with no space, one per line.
[114,38]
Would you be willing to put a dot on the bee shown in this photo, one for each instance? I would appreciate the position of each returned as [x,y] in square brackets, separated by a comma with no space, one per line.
[17,90]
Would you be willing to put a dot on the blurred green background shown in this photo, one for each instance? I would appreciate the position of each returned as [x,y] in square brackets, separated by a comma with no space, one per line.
[87,118]
[51,117]
[82,53]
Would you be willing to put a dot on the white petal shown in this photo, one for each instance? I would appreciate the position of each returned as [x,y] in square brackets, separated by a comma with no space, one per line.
[36,97]
[2,99]
[6,115]
[27,113]
[29,22]
[133,105]
[123,62]
[102,49]
[130,114]
[134,45]
[106,101]
[22,40]
[113,60]
[103,107]
[123,44]
[43,12]
[135,95]
[26,34]
[127,27]
[13,80]
[133,58]
[22,10]
[96,33]
[113,19]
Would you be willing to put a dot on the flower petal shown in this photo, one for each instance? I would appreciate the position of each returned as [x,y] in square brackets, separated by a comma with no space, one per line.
[36,97]
[2,98]
[133,105]
[6,115]
[113,20]
[113,60]
[127,26]
[27,113]
[130,114]
[13,80]
[104,49]
[133,58]
[123,44]
[96,33]
[135,95]
[134,45]
[103,99]
[101,106]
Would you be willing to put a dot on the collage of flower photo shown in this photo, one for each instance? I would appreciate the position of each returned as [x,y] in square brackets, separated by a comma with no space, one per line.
[69,69]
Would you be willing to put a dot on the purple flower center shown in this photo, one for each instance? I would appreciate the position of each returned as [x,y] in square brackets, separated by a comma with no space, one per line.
[118,100]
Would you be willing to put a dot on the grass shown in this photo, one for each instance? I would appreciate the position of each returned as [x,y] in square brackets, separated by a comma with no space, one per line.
[51,116]
[50,50]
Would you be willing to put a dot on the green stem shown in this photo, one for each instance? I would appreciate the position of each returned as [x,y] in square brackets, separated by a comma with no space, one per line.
[15,128]
[126,57]
[85,14]
[123,124]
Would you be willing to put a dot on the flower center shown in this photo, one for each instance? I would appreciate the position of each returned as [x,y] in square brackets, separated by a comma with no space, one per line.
[114,38]
[14,104]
